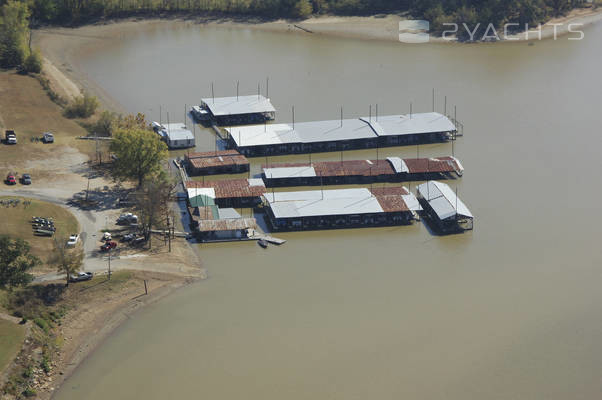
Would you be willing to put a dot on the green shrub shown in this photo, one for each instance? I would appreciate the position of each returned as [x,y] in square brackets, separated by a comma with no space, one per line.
[33,63]
[28,372]
[43,324]
[29,392]
[82,107]
[45,364]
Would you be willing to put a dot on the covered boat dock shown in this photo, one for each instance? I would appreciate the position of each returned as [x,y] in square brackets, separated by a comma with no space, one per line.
[443,207]
[339,135]
[175,135]
[235,110]
[216,162]
[340,208]
[391,169]
[213,224]
[226,193]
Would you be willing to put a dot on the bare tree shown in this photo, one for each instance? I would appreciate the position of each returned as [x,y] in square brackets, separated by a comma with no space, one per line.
[152,204]
[68,260]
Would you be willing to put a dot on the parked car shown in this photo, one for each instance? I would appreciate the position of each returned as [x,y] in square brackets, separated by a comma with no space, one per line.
[138,241]
[106,237]
[127,219]
[10,136]
[26,179]
[10,180]
[81,276]
[128,238]
[108,246]
[47,137]
[73,239]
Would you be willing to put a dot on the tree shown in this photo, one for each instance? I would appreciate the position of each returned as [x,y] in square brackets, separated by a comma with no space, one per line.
[152,203]
[106,124]
[68,260]
[139,154]
[303,9]
[15,261]
[14,31]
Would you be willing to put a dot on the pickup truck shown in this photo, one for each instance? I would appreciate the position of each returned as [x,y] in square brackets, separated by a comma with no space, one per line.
[10,136]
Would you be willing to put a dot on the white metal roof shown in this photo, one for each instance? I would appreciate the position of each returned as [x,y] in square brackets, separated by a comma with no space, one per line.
[256,182]
[228,213]
[412,202]
[334,130]
[221,106]
[327,202]
[174,131]
[289,172]
[398,164]
[193,192]
[443,200]
[459,164]
[394,125]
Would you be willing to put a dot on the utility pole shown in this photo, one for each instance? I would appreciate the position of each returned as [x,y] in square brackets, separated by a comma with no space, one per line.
[169,233]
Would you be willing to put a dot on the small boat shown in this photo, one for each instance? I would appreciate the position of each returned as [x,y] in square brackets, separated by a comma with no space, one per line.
[262,243]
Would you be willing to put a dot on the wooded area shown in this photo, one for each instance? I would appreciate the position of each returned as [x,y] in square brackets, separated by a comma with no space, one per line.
[435,11]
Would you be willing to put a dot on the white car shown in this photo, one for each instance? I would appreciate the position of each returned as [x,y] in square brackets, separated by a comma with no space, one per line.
[73,239]
[47,137]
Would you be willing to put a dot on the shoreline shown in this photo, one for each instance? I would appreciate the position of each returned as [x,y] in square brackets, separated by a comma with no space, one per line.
[60,49]
[61,46]
[92,339]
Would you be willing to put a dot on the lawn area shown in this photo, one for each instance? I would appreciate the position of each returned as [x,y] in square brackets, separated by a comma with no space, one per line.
[16,223]
[26,108]
[11,337]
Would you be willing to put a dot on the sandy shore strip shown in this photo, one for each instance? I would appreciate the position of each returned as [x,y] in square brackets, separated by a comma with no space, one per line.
[64,47]
[88,326]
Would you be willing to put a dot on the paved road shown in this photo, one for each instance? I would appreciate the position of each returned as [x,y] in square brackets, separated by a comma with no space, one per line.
[91,223]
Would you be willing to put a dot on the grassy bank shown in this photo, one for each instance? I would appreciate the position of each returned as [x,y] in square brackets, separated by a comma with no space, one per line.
[16,223]
[11,338]
[68,322]
[27,108]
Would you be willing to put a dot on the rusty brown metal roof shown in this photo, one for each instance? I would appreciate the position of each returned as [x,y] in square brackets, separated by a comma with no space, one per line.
[213,159]
[389,198]
[230,188]
[375,167]
[437,164]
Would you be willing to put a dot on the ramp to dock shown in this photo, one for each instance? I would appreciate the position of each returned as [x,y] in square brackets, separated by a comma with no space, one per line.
[255,235]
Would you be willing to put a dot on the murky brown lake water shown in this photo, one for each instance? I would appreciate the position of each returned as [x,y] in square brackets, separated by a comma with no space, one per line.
[512,310]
